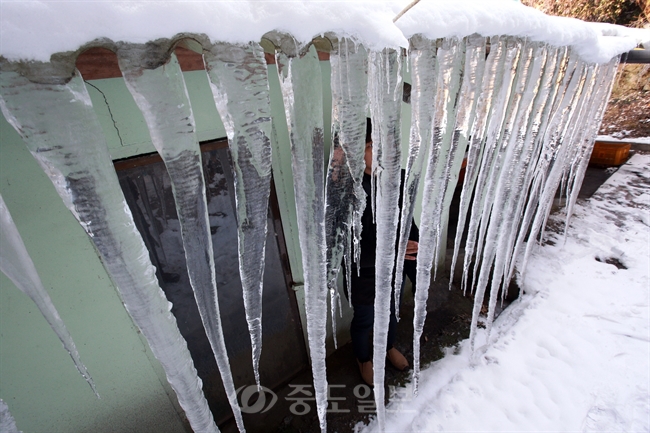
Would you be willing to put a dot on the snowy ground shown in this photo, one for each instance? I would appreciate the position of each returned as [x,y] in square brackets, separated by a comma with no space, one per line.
[574,353]
[621,136]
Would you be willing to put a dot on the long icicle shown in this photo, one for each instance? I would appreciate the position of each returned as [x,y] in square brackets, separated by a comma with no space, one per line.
[16,264]
[558,85]
[301,90]
[448,157]
[606,74]
[424,63]
[554,151]
[385,106]
[58,124]
[486,80]
[449,56]
[162,97]
[240,88]
[493,163]
[531,137]
[514,166]
[473,66]
[482,147]
[345,199]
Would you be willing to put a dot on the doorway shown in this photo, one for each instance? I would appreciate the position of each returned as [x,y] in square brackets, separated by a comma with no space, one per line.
[147,188]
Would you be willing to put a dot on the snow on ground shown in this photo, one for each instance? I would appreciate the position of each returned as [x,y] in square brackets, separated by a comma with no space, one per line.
[621,138]
[573,354]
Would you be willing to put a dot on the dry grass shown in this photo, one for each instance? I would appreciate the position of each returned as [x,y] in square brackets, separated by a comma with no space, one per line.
[633,13]
[628,111]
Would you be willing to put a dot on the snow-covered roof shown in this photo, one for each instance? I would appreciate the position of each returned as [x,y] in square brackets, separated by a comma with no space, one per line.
[34,30]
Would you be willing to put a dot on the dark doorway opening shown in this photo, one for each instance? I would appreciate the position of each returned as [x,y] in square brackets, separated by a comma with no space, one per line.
[147,188]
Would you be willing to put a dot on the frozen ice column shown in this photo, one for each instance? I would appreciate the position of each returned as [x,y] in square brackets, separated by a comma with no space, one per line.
[240,88]
[385,95]
[59,126]
[300,81]
[161,95]
[345,198]
[16,264]
[442,112]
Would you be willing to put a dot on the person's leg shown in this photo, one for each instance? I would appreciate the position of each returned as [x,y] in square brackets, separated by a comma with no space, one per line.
[394,356]
[360,330]
[392,324]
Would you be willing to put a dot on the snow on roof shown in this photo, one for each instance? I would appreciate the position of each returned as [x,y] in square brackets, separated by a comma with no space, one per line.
[594,42]
[34,30]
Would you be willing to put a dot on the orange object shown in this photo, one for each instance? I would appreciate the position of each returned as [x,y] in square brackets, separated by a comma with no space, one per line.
[609,154]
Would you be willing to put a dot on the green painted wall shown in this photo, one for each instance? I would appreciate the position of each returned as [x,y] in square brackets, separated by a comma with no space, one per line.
[38,380]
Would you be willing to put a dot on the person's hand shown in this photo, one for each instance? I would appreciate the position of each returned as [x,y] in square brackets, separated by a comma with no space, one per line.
[411,250]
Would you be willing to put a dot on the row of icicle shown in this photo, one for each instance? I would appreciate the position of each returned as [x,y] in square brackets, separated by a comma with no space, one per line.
[523,114]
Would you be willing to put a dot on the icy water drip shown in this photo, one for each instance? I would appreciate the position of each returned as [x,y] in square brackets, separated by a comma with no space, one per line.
[60,128]
[385,96]
[16,264]
[345,198]
[7,421]
[162,97]
[508,187]
[301,90]
[240,87]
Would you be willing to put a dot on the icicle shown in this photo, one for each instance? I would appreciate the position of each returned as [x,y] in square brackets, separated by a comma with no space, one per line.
[300,81]
[604,85]
[7,422]
[385,112]
[423,55]
[489,108]
[476,62]
[508,185]
[61,129]
[533,145]
[498,133]
[16,264]
[571,124]
[162,97]
[550,169]
[239,83]
[441,156]
[345,198]
[450,157]
[555,88]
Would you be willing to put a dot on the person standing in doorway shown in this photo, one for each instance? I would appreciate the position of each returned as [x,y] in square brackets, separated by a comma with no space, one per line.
[362,285]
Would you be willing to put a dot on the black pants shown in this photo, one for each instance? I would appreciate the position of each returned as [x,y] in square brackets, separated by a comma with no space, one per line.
[363,294]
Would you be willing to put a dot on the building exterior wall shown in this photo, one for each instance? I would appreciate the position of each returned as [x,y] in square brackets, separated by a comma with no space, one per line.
[38,380]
